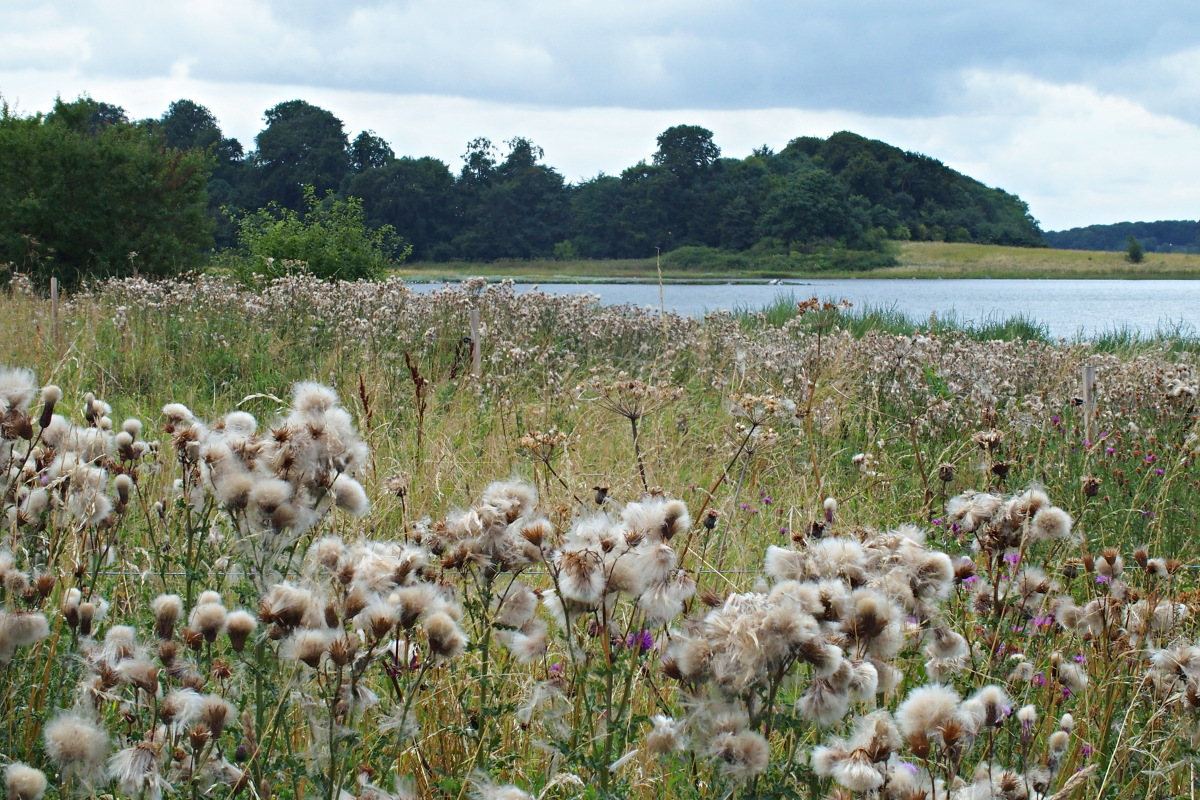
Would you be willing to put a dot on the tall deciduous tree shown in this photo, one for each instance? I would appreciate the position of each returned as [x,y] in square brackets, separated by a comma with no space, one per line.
[369,151]
[686,150]
[302,145]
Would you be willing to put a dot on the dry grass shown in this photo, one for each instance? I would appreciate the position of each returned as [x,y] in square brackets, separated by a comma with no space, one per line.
[937,259]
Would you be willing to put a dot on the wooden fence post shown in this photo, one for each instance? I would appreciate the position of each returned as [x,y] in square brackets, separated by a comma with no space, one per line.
[1089,400]
[476,353]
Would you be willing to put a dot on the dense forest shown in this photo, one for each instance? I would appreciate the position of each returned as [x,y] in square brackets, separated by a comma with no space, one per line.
[1165,236]
[86,189]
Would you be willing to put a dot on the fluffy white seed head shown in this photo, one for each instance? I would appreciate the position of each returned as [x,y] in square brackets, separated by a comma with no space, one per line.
[76,745]
[23,782]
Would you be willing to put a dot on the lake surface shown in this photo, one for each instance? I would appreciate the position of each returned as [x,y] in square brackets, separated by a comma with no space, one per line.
[1068,308]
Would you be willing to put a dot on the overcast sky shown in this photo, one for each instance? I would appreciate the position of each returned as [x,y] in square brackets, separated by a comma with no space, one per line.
[1090,111]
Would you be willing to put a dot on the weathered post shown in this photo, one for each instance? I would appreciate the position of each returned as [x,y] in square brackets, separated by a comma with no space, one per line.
[476,354]
[1089,400]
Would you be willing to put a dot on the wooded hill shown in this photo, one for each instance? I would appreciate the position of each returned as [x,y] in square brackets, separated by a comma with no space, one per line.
[120,182]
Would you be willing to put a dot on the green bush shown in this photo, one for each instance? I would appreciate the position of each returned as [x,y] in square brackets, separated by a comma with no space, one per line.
[330,240]
[84,195]
[705,259]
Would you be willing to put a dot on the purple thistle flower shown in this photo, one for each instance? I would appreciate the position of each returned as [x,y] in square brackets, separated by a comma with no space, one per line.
[642,640]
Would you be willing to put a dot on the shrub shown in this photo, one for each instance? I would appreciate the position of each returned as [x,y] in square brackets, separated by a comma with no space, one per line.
[330,240]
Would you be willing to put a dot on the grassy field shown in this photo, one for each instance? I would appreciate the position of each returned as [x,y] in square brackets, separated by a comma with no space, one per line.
[935,259]
[783,554]
[916,260]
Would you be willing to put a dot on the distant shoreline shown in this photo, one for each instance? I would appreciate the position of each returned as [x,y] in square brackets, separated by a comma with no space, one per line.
[916,260]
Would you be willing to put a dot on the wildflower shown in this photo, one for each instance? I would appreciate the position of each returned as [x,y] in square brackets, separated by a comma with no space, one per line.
[1110,564]
[643,640]
[948,653]
[1071,675]
[994,703]
[18,387]
[873,623]
[119,643]
[21,630]
[23,782]
[179,708]
[239,625]
[445,639]
[76,745]
[51,394]
[350,495]
[741,756]
[926,709]
[486,790]
[215,713]
[167,608]
[826,702]
[306,646]
[208,618]
[135,769]
[1027,716]
[665,737]
[285,605]
[140,672]
[530,643]
[580,576]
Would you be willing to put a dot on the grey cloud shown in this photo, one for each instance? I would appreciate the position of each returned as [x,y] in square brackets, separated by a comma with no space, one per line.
[869,56]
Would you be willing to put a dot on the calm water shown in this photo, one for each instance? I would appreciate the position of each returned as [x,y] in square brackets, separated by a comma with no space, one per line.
[1067,307]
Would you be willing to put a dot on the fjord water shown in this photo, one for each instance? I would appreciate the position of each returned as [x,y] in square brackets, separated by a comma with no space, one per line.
[1068,308]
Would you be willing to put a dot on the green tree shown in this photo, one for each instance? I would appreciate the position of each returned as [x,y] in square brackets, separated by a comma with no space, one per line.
[1133,250]
[515,209]
[369,151]
[187,125]
[330,240]
[80,199]
[413,195]
[686,150]
[302,145]
[813,205]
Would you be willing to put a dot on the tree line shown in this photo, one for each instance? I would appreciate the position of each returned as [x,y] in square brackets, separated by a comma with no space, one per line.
[1164,236]
[84,189]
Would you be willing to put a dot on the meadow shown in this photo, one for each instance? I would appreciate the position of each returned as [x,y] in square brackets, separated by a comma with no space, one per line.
[286,541]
